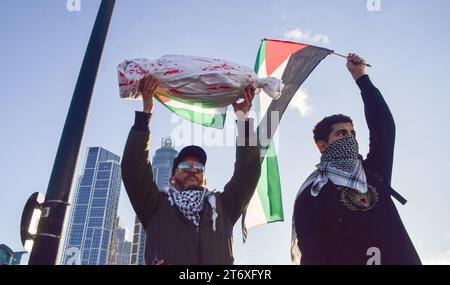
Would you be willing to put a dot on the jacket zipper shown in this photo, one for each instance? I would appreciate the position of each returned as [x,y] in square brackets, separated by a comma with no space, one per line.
[197,230]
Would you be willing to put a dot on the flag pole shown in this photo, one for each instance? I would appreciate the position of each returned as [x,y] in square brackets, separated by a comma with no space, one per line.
[341,55]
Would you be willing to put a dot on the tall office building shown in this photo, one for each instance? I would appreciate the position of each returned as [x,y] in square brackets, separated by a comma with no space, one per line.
[163,161]
[94,210]
[10,257]
[138,247]
[162,170]
[120,247]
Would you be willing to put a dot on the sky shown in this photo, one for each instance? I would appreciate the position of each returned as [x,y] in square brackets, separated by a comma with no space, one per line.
[43,44]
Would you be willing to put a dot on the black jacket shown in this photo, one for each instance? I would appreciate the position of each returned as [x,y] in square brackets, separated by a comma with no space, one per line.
[170,236]
[343,226]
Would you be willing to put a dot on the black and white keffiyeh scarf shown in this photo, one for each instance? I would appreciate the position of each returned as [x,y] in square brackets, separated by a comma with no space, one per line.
[191,202]
[342,164]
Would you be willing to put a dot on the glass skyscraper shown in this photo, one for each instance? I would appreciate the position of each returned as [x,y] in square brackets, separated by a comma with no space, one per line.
[121,247]
[10,257]
[94,210]
[138,248]
[162,162]
[162,170]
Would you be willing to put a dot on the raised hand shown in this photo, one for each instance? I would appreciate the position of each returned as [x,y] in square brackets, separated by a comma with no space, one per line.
[147,88]
[355,64]
[244,107]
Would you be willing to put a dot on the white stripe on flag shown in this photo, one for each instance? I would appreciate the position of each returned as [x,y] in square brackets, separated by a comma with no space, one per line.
[255,214]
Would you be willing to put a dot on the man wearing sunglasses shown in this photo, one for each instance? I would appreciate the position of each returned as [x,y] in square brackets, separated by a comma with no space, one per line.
[188,223]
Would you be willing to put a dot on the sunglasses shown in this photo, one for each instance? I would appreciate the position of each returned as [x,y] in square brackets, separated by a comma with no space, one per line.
[185,166]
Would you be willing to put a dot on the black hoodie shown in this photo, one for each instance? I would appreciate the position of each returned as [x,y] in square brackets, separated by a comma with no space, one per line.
[343,226]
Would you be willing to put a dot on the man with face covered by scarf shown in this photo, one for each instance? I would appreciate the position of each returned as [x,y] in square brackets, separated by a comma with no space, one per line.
[343,212]
[187,223]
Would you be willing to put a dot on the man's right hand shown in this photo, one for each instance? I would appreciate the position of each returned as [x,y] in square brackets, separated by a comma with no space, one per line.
[147,88]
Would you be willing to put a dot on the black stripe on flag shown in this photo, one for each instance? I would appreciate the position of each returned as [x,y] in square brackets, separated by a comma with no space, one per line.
[299,66]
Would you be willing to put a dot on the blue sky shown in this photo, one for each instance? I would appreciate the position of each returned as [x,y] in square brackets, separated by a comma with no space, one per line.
[43,45]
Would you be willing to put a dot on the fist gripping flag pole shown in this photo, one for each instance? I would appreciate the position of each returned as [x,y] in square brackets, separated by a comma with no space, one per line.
[341,55]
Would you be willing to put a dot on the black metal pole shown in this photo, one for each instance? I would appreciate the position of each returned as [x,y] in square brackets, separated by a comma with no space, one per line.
[47,241]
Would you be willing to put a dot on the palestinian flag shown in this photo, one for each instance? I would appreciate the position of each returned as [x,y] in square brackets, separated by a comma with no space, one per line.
[209,117]
[292,63]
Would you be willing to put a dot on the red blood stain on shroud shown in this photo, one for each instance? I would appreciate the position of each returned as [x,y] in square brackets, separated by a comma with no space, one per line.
[217,67]
[222,87]
[173,91]
[130,82]
[173,71]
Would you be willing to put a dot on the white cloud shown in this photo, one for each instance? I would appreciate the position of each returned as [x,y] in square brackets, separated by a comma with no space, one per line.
[298,34]
[321,38]
[301,102]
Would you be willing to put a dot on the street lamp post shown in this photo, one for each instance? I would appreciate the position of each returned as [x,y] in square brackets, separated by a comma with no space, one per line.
[48,237]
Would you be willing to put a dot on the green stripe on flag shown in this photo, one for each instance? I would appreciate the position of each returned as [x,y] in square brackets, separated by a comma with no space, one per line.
[269,187]
[260,57]
[208,119]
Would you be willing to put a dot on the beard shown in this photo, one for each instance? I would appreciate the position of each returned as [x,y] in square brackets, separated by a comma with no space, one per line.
[185,184]
[190,176]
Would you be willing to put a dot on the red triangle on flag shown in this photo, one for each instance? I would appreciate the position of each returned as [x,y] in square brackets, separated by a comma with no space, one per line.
[278,51]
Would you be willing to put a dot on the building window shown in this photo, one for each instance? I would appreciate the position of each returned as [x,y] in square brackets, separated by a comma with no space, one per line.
[104,166]
[79,215]
[86,179]
[97,212]
[98,203]
[95,222]
[103,175]
[76,235]
[91,160]
[83,195]
[101,184]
